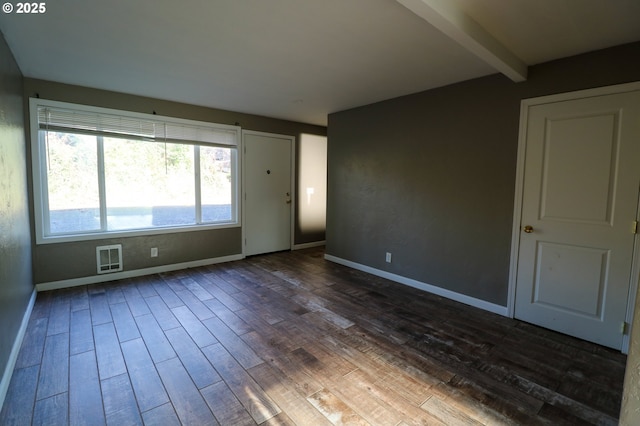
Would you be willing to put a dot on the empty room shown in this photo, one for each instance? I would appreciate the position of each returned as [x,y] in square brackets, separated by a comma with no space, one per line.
[281,212]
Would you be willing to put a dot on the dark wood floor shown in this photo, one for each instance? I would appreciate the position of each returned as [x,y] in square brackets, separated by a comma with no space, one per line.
[290,338]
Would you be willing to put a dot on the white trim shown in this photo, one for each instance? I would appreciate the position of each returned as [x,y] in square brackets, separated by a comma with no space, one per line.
[633,289]
[15,349]
[439,291]
[517,211]
[293,194]
[525,104]
[95,279]
[309,245]
[292,186]
[135,233]
[581,94]
[633,294]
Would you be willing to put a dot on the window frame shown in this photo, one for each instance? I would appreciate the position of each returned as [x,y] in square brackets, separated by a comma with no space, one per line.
[40,194]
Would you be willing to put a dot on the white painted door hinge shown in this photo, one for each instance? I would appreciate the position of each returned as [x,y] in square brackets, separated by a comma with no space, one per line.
[624,327]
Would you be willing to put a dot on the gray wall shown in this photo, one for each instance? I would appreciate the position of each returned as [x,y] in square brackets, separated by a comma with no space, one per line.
[54,262]
[16,284]
[430,177]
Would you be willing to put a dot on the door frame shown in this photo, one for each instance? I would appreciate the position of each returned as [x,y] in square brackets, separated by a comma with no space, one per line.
[516,233]
[292,139]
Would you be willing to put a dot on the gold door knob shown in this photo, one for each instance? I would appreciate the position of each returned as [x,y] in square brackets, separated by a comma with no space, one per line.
[528,229]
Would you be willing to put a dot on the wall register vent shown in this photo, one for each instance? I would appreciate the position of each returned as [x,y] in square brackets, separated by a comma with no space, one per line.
[109,258]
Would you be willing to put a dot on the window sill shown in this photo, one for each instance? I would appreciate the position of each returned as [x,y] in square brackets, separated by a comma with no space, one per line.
[132,233]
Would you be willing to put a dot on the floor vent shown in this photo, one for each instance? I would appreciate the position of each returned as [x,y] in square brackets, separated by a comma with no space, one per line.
[109,258]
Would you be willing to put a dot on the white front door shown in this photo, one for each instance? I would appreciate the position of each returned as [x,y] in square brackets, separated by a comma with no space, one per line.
[579,204]
[267,192]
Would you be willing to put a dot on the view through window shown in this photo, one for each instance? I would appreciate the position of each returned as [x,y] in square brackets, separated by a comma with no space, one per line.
[93,180]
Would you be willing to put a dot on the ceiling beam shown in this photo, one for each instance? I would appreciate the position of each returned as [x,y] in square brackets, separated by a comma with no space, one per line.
[460,27]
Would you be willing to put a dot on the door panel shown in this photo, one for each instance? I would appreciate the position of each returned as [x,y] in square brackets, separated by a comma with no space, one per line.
[580,165]
[560,263]
[580,198]
[267,189]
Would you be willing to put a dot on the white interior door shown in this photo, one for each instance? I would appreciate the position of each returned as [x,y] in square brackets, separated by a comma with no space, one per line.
[580,198]
[267,192]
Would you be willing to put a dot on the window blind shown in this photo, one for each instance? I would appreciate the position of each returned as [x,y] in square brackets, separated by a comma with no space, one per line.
[104,124]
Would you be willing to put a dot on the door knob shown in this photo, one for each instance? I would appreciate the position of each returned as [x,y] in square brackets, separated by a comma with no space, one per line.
[528,229]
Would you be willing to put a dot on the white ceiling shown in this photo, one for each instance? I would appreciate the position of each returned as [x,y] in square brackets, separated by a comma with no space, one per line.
[294,59]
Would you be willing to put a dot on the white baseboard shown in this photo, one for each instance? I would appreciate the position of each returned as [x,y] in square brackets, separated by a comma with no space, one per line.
[308,245]
[15,350]
[462,298]
[94,279]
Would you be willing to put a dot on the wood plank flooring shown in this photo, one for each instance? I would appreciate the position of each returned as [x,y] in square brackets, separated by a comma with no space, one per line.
[289,338]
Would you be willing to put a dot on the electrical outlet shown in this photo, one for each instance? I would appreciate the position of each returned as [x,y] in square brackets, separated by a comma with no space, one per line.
[154,251]
[388,257]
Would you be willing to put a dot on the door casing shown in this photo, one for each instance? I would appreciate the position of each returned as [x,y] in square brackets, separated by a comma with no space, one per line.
[519,192]
[292,183]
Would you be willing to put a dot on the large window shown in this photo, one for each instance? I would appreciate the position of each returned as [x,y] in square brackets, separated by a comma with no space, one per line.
[100,172]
